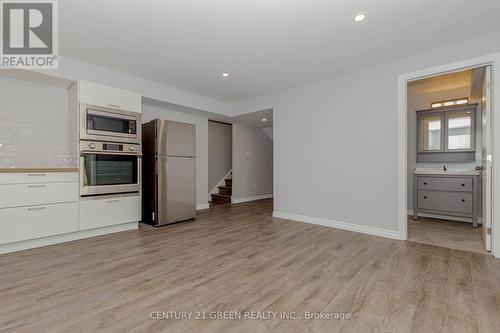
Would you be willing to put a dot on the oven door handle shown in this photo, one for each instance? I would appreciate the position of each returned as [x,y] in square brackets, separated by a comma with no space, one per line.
[92,152]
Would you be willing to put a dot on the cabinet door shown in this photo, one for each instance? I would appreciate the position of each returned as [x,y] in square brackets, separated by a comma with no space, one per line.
[104,212]
[101,95]
[23,223]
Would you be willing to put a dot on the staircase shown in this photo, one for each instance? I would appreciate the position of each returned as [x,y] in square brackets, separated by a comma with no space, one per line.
[224,195]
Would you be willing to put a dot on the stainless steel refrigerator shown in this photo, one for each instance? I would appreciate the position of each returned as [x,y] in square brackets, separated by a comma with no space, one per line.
[169,172]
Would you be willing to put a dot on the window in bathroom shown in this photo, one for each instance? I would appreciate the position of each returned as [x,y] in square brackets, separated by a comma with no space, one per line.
[430,130]
[459,130]
[446,134]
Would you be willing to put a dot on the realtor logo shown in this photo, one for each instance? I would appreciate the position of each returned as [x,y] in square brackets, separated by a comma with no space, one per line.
[29,34]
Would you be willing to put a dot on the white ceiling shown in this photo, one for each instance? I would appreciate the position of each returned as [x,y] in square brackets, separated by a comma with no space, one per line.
[265,45]
[255,118]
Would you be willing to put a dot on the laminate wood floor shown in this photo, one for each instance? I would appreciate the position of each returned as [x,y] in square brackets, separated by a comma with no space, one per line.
[451,234]
[239,258]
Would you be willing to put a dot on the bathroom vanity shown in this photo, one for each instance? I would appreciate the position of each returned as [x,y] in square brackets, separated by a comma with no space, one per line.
[447,194]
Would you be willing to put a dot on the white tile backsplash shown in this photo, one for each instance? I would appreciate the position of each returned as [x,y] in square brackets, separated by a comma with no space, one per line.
[36,129]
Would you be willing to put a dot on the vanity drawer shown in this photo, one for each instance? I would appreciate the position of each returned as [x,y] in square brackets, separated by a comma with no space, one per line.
[453,202]
[445,184]
[16,195]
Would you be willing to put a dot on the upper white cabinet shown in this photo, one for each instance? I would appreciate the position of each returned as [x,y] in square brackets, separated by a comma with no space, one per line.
[101,95]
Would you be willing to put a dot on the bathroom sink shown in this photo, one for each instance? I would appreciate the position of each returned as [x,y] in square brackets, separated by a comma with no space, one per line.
[447,172]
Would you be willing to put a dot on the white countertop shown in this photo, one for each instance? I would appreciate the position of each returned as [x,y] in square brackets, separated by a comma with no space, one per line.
[447,172]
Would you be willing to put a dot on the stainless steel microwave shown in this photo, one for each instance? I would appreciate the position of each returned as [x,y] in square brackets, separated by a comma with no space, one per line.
[108,124]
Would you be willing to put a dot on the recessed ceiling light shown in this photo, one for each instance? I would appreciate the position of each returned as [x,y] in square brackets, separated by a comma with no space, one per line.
[264,119]
[359,17]
[225,74]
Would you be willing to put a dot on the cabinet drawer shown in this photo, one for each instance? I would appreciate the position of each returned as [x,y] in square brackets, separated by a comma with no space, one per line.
[103,212]
[38,177]
[15,195]
[101,95]
[445,184]
[23,223]
[453,202]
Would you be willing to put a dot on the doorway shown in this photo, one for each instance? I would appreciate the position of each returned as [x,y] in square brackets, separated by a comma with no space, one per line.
[447,155]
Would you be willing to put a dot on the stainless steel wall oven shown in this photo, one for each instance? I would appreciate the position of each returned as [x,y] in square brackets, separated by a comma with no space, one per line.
[109,168]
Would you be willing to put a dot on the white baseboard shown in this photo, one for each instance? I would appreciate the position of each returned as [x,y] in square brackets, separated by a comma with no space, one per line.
[253,198]
[340,225]
[202,206]
[44,241]
[444,217]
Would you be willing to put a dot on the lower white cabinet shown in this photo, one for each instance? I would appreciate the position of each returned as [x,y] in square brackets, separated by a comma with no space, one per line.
[104,212]
[15,195]
[23,223]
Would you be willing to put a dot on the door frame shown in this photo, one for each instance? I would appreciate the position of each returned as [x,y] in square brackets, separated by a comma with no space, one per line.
[492,60]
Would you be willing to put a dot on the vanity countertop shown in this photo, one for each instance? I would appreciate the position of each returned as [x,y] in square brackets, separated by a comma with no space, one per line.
[36,170]
[447,172]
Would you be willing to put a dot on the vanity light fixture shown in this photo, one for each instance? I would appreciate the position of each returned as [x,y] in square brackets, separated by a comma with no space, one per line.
[359,17]
[452,102]
[225,74]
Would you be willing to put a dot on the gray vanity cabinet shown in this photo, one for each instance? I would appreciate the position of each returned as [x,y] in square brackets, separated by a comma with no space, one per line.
[447,195]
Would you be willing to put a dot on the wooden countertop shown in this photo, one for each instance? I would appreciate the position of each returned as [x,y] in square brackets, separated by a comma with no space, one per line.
[35,170]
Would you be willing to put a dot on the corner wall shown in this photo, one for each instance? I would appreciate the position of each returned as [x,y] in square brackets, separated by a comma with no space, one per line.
[252,163]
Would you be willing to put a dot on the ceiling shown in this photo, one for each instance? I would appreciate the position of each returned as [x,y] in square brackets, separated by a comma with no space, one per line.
[255,118]
[265,45]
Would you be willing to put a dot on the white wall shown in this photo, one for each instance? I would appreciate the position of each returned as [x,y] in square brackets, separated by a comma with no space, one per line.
[336,141]
[269,132]
[220,152]
[422,102]
[36,129]
[252,162]
[150,112]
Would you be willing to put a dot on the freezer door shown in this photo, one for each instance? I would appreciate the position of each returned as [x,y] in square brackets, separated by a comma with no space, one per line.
[176,189]
[176,139]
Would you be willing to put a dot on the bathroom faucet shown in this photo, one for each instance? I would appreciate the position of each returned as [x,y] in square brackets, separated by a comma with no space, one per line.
[444,168]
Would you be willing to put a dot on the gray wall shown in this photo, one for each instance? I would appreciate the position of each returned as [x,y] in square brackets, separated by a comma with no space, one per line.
[252,162]
[336,141]
[201,123]
[220,152]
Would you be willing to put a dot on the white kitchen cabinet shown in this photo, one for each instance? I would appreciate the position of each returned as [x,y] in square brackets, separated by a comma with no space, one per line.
[38,177]
[37,204]
[23,223]
[103,212]
[15,195]
[101,95]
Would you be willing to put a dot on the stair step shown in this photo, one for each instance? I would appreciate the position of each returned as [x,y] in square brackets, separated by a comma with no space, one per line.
[229,182]
[226,190]
[221,198]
